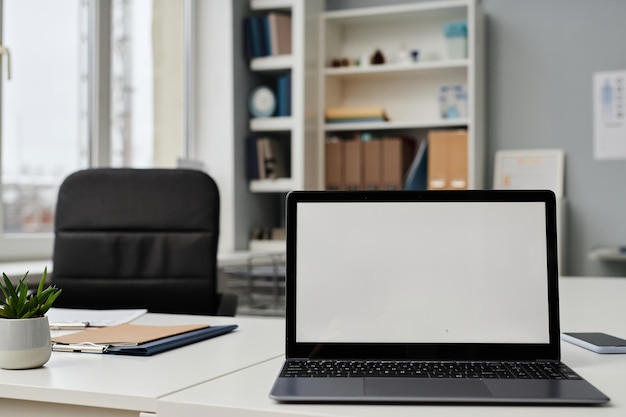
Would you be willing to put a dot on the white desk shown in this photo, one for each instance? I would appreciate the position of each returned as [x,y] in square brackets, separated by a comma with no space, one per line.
[587,304]
[83,384]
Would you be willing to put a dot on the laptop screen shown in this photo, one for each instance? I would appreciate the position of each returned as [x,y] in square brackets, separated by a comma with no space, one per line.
[433,270]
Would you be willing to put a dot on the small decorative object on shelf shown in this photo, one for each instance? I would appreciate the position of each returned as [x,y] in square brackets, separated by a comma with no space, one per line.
[262,102]
[456,39]
[453,101]
[24,328]
[377,58]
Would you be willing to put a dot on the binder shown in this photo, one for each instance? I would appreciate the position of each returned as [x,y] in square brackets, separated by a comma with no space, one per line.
[457,168]
[333,169]
[352,164]
[438,160]
[372,165]
[447,160]
[397,155]
[137,340]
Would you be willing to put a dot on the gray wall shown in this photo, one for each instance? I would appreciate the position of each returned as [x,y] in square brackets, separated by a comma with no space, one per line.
[541,55]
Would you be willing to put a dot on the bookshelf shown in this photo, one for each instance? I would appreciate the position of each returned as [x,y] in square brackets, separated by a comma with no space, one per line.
[296,130]
[300,65]
[407,88]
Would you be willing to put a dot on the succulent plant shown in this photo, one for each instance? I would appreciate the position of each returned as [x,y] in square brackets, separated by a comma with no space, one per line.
[19,304]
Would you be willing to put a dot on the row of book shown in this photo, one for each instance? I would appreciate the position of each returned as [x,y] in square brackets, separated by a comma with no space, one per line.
[267,35]
[267,157]
[268,233]
[355,114]
[435,162]
[373,164]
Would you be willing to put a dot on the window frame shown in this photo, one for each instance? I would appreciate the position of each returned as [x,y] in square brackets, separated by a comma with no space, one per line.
[31,246]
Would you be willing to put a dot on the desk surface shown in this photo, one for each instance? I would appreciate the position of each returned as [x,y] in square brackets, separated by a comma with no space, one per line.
[587,304]
[134,383]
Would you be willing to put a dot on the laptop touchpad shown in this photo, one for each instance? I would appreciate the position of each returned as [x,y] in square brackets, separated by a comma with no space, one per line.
[425,388]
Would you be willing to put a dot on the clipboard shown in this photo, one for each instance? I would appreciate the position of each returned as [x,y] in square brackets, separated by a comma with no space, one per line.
[137,340]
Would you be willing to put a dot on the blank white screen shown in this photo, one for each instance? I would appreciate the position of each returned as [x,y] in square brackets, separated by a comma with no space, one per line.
[461,272]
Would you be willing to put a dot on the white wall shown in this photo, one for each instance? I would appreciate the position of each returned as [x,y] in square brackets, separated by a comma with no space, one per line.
[214,111]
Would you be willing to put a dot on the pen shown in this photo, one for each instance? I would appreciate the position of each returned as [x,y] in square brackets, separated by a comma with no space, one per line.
[79,347]
[69,326]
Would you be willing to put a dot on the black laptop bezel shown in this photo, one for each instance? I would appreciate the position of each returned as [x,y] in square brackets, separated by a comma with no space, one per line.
[397,351]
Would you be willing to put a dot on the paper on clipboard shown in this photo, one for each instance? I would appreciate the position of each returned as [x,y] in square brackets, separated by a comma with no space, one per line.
[125,334]
[95,318]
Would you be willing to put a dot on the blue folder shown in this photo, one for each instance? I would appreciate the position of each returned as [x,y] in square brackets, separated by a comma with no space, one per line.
[171,342]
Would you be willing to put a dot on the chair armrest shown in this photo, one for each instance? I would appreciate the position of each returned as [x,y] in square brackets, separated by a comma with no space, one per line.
[227,305]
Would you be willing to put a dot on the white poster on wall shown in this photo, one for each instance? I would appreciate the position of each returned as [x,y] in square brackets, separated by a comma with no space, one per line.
[609,121]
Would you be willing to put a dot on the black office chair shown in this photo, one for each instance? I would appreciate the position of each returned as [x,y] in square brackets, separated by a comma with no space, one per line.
[139,238]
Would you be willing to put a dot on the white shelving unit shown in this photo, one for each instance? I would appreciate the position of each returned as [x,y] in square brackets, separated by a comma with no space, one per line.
[266,195]
[407,90]
[608,253]
[301,65]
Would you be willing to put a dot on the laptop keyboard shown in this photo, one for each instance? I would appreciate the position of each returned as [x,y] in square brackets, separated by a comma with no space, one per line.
[482,370]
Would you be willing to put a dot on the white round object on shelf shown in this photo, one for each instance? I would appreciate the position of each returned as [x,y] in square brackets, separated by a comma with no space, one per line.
[262,102]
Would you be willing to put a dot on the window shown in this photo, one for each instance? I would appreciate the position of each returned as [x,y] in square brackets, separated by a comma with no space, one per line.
[92,83]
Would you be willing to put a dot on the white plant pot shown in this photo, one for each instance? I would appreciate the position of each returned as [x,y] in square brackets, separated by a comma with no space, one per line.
[24,343]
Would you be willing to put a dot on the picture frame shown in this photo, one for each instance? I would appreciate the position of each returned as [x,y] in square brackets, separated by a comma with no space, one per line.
[530,169]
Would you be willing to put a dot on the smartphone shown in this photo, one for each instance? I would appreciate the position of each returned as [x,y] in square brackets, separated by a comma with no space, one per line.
[596,342]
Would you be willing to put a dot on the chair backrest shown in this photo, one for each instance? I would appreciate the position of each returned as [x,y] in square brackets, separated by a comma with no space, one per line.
[137,238]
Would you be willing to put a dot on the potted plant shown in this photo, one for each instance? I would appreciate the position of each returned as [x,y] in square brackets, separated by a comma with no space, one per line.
[24,328]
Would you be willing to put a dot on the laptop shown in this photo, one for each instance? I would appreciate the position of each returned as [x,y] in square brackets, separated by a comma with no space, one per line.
[426,297]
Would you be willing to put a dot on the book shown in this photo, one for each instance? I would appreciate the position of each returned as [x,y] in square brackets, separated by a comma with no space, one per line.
[266,46]
[279,33]
[334,113]
[283,88]
[255,34]
[275,157]
[252,159]
[356,120]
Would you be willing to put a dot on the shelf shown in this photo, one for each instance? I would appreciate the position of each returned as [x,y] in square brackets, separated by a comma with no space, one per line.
[276,246]
[274,185]
[386,69]
[271,124]
[373,15]
[271,4]
[608,253]
[399,125]
[272,63]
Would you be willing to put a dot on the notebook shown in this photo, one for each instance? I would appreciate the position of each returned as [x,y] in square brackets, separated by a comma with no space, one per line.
[424,296]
